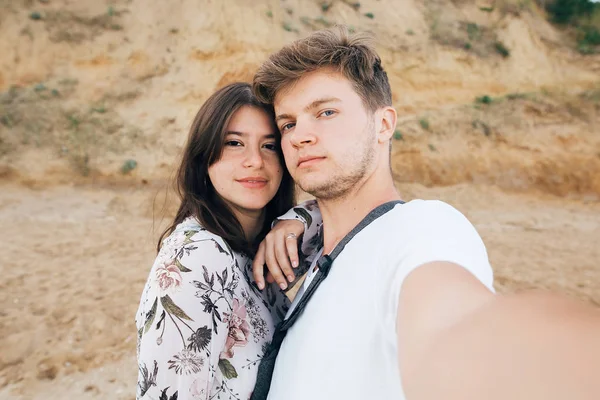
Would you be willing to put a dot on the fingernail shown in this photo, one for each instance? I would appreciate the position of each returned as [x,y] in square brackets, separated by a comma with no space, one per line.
[294,264]
[261,285]
[290,278]
[283,286]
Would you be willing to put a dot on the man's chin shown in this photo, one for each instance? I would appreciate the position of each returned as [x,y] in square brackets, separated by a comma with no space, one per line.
[308,185]
[320,191]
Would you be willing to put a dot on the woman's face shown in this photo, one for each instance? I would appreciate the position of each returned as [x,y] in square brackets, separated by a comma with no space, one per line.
[249,172]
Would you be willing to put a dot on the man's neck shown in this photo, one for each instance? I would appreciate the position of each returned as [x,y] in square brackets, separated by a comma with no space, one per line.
[340,216]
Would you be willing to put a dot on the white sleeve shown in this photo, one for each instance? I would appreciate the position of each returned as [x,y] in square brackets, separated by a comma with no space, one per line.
[439,232]
[185,330]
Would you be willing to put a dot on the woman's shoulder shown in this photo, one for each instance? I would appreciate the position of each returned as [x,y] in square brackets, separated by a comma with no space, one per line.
[192,244]
[190,230]
[190,259]
[191,225]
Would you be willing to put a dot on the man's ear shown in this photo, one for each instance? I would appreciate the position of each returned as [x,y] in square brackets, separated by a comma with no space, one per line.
[388,118]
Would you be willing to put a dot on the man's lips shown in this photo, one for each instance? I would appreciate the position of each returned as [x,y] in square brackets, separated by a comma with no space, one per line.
[308,161]
[253,182]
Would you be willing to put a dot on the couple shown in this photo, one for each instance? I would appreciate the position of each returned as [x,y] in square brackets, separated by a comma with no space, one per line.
[407,308]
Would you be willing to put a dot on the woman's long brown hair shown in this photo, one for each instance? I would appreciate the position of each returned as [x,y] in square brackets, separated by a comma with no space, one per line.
[203,148]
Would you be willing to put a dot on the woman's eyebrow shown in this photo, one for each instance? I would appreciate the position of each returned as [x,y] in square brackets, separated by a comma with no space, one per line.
[266,136]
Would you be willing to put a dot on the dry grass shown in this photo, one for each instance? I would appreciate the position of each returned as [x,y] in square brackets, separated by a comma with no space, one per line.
[473,38]
[449,29]
[516,7]
[67,26]
[592,96]
[40,116]
[542,141]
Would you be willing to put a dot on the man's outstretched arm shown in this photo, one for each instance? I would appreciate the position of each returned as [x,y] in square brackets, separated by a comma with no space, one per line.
[457,340]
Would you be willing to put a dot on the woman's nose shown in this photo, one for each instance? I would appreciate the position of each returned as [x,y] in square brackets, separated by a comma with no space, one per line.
[252,158]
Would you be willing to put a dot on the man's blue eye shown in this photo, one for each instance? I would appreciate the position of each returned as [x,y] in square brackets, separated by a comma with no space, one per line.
[286,127]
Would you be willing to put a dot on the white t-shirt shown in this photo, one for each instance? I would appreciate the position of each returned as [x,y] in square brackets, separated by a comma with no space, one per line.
[310,275]
[344,345]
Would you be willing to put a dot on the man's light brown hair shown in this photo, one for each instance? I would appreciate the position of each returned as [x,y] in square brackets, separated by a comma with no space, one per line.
[352,55]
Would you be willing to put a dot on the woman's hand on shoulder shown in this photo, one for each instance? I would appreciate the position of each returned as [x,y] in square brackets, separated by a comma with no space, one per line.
[279,251]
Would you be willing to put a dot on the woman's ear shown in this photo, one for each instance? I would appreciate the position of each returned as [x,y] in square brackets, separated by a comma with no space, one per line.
[388,118]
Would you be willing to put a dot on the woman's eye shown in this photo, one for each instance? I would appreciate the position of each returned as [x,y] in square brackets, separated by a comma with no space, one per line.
[327,113]
[271,146]
[232,143]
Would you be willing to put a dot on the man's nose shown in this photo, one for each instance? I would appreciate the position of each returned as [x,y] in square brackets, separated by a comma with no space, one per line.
[304,134]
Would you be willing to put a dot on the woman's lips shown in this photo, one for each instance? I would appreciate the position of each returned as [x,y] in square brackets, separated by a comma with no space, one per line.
[253,183]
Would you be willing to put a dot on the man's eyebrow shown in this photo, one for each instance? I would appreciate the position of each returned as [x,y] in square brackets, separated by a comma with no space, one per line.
[282,116]
[310,107]
[319,102]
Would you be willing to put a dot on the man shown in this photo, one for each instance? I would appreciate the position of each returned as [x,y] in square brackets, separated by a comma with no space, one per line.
[408,309]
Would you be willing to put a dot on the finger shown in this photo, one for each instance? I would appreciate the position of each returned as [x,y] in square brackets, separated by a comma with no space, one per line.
[292,251]
[270,278]
[273,265]
[282,255]
[258,266]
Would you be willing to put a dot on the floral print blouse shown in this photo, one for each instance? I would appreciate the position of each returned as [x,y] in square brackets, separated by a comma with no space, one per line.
[203,326]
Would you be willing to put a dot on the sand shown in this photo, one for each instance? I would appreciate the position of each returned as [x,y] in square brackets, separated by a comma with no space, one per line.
[75,259]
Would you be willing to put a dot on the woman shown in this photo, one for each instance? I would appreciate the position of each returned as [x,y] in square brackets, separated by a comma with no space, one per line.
[202,323]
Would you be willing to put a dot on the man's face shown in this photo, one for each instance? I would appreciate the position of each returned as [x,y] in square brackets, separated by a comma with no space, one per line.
[327,135]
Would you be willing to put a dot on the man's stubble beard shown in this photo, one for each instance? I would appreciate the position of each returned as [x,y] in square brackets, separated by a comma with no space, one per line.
[341,183]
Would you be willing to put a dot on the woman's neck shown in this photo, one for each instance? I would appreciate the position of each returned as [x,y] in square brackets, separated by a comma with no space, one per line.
[251,221]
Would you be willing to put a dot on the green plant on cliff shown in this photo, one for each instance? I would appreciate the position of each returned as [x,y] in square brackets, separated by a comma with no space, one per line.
[569,11]
[502,49]
[583,16]
[485,99]
[588,38]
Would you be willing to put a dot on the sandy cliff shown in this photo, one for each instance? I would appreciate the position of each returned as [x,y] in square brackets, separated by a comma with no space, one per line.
[498,114]
[90,85]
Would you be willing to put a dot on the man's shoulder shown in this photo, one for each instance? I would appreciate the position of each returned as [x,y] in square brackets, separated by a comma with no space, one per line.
[421,211]
[416,222]
[425,222]
[426,231]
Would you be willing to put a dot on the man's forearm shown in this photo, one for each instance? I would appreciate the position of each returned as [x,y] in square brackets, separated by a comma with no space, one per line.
[527,346]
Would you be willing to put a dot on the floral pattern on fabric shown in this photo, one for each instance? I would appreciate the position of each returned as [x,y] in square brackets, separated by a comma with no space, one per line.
[203,326]
[312,240]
